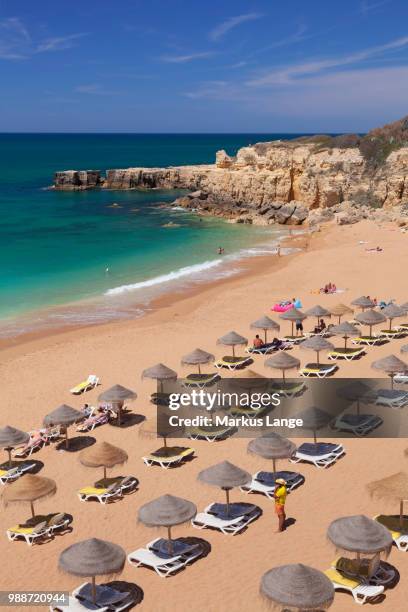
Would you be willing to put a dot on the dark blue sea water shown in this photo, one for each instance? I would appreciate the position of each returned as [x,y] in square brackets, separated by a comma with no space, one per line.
[76,248]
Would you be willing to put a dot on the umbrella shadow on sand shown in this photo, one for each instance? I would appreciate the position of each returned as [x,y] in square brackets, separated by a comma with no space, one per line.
[122,586]
[76,444]
[128,419]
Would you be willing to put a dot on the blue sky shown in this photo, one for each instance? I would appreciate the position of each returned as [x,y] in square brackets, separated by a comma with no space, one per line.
[215,66]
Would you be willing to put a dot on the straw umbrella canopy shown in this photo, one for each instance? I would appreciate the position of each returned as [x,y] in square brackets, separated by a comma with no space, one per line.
[391,365]
[282,361]
[292,315]
[232,339]
[363,302]
[158,426]
[103,454]
[317,344]
[314,419]
[392,311]
[225,475]
[167,511]
[404,349]
[63,415]
[339,310]
[370,318]
[250,380]
[91,558]
[298,587]
[319,312]
[356,391]
[28,489]
[346,330]
[10,438]
[160,373]
[359,534]
[265,323]
[116,396]
[392,489]
[197,357]
[272,446]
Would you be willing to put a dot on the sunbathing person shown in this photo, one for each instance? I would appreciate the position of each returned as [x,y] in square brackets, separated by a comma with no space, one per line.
[258,342]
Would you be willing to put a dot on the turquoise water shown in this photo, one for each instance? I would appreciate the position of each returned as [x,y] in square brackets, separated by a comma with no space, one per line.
[75,247]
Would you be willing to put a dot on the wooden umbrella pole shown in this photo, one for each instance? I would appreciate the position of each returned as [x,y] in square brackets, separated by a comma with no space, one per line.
[401,513]
[170,543]
[32,509]
[93,590]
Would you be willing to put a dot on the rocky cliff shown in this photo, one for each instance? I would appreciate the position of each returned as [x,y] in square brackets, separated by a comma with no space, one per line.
[292,176]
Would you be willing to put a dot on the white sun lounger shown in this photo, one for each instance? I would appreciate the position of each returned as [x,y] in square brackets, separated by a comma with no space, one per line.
[359,426]
[29,534]
[375,573]
[360,591]
[167,462]
[210,436]
[320,461]
[226,526]
[14,473]
[32,445]
[74,605]
[320,371]
[102,495]
[162,567]
[393,398]
[256,486]
[400,539]
[401,378]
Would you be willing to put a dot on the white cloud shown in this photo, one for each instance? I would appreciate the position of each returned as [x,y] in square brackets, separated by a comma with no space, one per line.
[58,43]
[183,59]
[289,74]
[16,43]
[229,24]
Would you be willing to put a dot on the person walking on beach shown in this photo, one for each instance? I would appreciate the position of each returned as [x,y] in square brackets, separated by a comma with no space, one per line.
[280,500]
[299,327]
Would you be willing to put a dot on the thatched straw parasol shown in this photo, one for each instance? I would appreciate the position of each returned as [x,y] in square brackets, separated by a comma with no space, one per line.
[370,318]
[340,310]
[391,365]
[317,344]
[28,489]
[10,438]
[392,311]
[103,454]
[363,302]
[314,419]
[404,306]
[272,446]
[298,587]
[249,380]
[91,558]
[282,361]
[160,373]
[197,357]
[116,396]
[404,349]
[392,489]
[359,534]
[232,339]
[158,426]
[293,315]
[346,330]
[226,476]
[357,391]
[319,312]
[63,415]
[167,511]
[265,323]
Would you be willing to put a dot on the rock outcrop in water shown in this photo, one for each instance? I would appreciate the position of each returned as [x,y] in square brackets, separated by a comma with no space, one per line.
[281,181]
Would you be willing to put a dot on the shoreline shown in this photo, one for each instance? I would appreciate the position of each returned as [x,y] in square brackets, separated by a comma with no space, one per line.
[247,267]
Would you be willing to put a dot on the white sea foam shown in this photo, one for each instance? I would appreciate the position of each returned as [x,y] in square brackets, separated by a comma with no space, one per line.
[165,278]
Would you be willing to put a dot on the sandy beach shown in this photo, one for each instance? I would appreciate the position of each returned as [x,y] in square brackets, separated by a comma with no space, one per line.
[36,376]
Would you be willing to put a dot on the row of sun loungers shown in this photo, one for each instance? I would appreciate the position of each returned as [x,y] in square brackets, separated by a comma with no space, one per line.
[115,490]
[43,530]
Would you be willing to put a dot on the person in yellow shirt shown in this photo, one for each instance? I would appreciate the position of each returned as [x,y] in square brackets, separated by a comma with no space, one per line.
[280,500]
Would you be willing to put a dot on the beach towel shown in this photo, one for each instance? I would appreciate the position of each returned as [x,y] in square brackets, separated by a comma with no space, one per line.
[105,595]
[161,548]
[320,448]
[269,478]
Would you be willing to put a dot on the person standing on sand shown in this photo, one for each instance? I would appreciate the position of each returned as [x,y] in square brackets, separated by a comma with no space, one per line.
[280,500]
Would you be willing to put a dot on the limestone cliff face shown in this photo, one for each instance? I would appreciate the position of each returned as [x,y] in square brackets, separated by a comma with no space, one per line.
[271,172]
